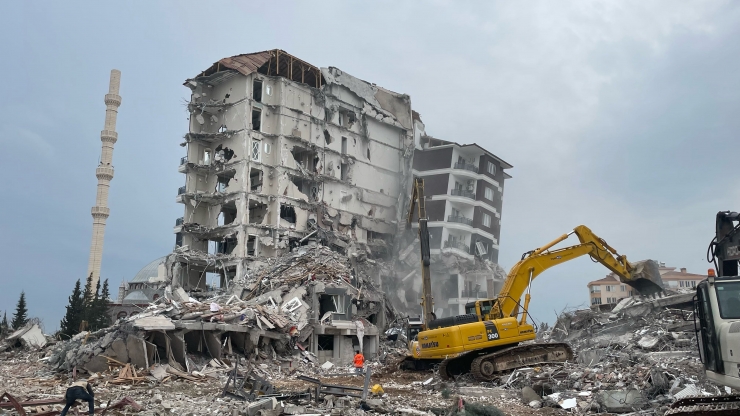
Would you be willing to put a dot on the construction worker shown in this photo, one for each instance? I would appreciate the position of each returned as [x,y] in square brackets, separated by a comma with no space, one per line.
[359,362]
[79,390]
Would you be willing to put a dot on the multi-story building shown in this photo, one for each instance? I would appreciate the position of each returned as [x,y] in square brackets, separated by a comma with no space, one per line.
[281,153]
[463,186]
[607,292]
[280,150]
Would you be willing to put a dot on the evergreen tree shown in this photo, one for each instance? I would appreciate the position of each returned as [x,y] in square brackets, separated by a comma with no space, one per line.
[87,301]
[20,318]
[4,327]
[70,324]
[92,310]
[104,306]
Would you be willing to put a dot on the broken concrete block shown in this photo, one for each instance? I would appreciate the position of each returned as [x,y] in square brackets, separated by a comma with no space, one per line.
[620,401]
[269,403]
[327,365]
[529,395]
[97,364]
[648,342]
[30,336]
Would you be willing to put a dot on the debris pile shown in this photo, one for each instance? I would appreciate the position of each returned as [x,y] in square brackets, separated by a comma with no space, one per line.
[640,356]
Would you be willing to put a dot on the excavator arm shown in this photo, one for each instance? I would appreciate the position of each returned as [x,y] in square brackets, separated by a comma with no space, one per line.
[417,200]
[643,276]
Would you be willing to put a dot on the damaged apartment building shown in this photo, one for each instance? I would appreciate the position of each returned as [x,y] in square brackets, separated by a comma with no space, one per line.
[463,188]
[280,154]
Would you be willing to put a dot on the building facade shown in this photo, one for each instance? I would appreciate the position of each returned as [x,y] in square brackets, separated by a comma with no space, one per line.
[463,187]
[278,151]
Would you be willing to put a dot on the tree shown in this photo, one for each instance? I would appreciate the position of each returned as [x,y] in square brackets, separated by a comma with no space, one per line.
[70,324]
[88,298]
[20,318]
[4,327]
[103,307]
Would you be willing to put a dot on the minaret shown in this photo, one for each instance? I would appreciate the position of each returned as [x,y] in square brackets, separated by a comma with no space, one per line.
[104,173]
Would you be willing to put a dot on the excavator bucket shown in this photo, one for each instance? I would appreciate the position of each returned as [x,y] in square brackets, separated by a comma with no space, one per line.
[645,277]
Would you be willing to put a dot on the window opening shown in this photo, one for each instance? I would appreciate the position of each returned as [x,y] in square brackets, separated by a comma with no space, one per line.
[268,89]
[257,90]
[178,240]
[325,342]
[491,168]
[287,213]
[486,220]
[489,194]
[207,157]
[256,119]
[256,150]
[268,148]
[344,145]
[257,212]
[344,172]
[255,180]
[327,137]
[251,242]
[331,303]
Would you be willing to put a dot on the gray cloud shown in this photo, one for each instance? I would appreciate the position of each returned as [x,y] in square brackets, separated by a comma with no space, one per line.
[617,115]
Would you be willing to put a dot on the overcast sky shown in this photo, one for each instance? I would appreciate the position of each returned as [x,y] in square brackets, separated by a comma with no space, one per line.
[622,116]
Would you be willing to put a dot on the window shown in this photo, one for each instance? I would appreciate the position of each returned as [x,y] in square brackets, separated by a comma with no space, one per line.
[268,90]
[344,145]
[681,283]
[623,288]
[630,293]
[489,194]
[256,119]
[596,301]
[268,148]
[611,300]
[491,168]
[486,220]
[257,90]
[609,288]
[256,150]
[595,289]
[693,283]
[344,172]
[207,157]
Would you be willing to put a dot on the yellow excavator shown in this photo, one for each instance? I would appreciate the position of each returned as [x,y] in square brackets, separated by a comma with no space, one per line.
[485,341]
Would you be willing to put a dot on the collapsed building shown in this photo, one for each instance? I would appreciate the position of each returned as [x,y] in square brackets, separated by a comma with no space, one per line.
[285,163]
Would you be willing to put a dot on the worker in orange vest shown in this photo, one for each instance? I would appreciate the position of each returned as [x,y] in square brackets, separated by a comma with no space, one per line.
[359,362]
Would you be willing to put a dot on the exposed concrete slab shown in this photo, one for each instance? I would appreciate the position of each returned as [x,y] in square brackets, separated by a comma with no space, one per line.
[97,364]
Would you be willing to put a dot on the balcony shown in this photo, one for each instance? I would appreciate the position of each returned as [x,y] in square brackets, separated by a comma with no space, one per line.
[181,190]
[466,166]
[459,219]
[183,160]
[458,245]
[179,221]
[463,193]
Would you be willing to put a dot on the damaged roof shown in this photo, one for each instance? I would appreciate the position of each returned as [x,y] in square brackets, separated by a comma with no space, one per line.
[435,142]
[274,62]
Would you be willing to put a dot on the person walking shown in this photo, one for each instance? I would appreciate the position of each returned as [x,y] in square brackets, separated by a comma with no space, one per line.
[359,362]
[80,390]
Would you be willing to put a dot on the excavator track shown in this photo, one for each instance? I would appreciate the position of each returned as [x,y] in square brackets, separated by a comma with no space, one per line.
[487,366]
[706,406]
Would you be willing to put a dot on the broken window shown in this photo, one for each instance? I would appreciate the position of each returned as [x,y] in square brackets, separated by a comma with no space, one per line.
[227,214]
[287,213]
[256,150]
[344,172]
[257,212]
[223,179]
[223,154]
[346,117]
[327,137]
[344,145]
[307,159]
[257,90]
[251,243]
[226,246]
[325,342]
[331,303]
[255,180]
[207,157]
[256,119]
